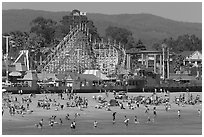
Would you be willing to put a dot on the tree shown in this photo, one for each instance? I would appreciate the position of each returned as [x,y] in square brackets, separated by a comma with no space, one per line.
[120,35]
[140,45]
[74,19]
[181,43]
[157,46]
[184,43]
[44,28]
[17,42]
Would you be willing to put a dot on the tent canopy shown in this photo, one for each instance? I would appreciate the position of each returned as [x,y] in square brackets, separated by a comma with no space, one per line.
[89,77]
[113,102]
[47,76]
[15,74]
[3,90]
[96,73]
[30,75]
[68,76]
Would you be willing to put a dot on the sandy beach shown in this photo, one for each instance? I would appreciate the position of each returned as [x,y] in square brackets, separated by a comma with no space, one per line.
[166,123]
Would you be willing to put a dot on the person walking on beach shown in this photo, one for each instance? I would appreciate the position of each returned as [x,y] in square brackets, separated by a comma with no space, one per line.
[51,123]
[138,105]
[95,124]
[2,111]
[75,115]
[114,113]
[67,117]
[154,112]
[166,106]
[61,122]
[73,125]
[179,115]
[148,119]
[136,120]
[147,109]
[28,106]
[199,112]
[126,121]
[41,123]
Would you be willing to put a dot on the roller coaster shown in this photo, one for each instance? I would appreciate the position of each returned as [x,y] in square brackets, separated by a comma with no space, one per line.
[77,53]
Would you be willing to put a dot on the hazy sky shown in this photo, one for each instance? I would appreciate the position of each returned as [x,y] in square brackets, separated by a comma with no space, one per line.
[180,11]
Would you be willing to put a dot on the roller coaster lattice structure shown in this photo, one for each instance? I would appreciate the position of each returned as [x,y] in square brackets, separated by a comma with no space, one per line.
[76,53]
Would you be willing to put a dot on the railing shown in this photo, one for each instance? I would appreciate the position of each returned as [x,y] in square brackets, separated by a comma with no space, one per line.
[57,59]
[121,59]
[67,41]
[74,42]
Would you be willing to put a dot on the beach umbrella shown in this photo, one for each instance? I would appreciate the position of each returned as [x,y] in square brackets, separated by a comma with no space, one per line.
[113,102]
[15,74]
[99,97]
[3,90]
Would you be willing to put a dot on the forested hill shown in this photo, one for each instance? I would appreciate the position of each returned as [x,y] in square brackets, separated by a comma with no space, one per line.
[149,28]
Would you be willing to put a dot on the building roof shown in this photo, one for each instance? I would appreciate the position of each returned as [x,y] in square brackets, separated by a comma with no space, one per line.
[186,53]
[89,77]
[10,67]
[192,55]
[181,77]
[44,76]
[96,73]
[30,75]
[20,67]
[132,50]
[14,67]
[136,51]
[67,76]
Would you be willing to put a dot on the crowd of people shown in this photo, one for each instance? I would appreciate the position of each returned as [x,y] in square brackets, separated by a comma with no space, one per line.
[48,101]
[16,105]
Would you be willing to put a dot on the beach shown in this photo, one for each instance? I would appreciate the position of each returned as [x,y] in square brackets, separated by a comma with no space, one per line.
[166,122]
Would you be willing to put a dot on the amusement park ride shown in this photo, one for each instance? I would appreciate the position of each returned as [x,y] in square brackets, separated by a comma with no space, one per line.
[78,53]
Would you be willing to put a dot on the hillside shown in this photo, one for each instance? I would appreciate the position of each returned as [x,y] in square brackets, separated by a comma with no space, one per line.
[149,28]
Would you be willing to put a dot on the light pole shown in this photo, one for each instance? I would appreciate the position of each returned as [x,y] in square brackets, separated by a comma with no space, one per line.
[164,46]
[168,60]
[7,50]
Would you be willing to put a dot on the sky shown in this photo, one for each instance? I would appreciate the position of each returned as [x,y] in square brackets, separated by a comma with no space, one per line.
[179,11]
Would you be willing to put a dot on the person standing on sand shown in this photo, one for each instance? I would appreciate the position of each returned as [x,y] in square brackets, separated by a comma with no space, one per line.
[147,109]
[148,119]
[95,124]
[60,121]
[67,117]
[199,112]
[179,115]
[166,106]
[126,121]
[41,123]
[136,120]
[75,115]
[154,112]
[2,111]
[73,125]
[51,123]
[27,105]
[114,113]
[138,105]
